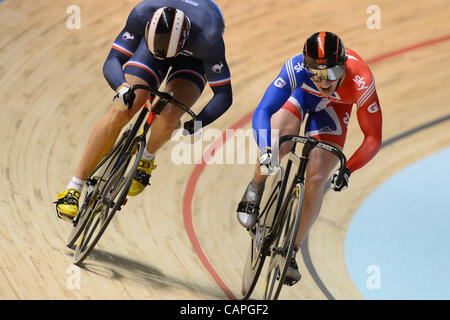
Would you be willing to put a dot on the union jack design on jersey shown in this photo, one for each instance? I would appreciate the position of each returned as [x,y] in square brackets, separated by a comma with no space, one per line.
[328,117]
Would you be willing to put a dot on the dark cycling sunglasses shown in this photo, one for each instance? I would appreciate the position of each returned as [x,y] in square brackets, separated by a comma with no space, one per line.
[318,75]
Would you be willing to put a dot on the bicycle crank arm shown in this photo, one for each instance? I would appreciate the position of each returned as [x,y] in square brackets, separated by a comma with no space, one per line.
[280,251]
[109,203]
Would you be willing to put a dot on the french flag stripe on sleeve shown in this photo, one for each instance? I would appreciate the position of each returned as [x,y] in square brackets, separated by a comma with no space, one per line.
[219,82]
[122,49]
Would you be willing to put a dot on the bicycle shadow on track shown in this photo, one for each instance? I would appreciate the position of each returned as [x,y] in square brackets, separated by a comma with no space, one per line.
[116,267]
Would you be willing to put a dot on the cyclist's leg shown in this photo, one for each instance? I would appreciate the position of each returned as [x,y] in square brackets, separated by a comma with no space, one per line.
[321,162]
[185,83]
[285,121]
[101,140]
[107,129]
[162,127]
[169,120]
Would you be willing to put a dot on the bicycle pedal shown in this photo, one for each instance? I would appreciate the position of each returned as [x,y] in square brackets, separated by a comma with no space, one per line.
[123,203]
[289,282]
[279,250]
[109,202]
[91,181]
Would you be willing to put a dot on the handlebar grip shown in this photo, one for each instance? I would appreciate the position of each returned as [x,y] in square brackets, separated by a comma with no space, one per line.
[163,96]
[128,98]
[323,145]
[340,177]
[342,171]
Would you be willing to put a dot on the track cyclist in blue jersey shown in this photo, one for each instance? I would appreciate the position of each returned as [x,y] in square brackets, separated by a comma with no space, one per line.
[177,40]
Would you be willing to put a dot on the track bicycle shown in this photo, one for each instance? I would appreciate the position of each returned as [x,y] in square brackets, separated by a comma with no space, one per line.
[107,186]
[275,232]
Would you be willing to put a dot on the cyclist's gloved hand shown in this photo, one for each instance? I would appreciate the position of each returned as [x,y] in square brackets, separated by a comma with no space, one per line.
[191,130]
[265,162]
[124,97]
[189,127]
[344,184]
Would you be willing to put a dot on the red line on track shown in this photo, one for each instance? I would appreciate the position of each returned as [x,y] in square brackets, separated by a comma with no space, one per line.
[198,170]
[408,49]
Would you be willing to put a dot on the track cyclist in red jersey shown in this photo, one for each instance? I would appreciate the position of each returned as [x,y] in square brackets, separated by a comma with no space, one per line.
[178,39]
[324,82]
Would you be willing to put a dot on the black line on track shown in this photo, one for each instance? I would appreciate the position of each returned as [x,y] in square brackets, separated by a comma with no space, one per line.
[305,249]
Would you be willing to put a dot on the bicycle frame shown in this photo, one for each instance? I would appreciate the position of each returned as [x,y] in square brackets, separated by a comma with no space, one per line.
[310,144]
[110,187]
[301,162]
[282,240]
[152,110]
[266,236]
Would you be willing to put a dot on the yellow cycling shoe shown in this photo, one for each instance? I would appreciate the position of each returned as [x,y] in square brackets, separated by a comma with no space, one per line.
[142,177]
[67,204]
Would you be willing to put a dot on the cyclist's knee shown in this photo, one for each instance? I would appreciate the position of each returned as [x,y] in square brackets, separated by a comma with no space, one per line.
[121,117]
[170,118]
[316,179]
[285,149]
[118,118]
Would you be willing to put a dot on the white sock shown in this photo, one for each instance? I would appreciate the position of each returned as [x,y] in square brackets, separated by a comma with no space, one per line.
[148,156]
[76,184]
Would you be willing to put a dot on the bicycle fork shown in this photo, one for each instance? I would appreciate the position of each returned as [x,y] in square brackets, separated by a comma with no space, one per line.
[299,179]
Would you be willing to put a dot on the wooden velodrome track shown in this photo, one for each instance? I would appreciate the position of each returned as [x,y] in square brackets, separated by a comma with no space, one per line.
[177,242]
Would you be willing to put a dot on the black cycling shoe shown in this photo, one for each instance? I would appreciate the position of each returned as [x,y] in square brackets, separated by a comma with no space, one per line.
[247,214]
[248,208]
[293,275]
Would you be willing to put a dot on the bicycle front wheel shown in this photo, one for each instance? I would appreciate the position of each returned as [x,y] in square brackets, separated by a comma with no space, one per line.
[258,249]
[110,200]
[283,249]
[253,265]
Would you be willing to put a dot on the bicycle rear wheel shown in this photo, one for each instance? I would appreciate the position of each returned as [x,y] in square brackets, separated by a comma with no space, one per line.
[258,249]
[94,186]
[110,200]
[283,248]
